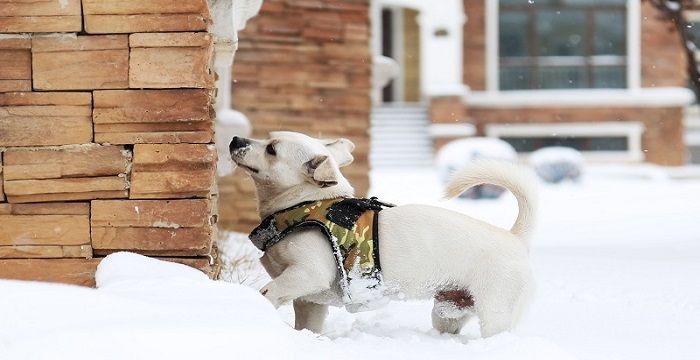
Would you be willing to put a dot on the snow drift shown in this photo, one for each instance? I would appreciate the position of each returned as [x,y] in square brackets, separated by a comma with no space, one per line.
[145,308]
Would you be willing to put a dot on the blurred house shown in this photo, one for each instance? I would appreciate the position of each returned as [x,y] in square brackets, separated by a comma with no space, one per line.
[606,77]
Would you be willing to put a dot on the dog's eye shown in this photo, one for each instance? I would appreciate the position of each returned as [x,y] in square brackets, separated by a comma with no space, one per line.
[270,149]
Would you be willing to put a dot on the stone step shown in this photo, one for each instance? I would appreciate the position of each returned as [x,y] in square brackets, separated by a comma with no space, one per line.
[399,132]
[393,110]
[396,125]
[400,137]
[400,120]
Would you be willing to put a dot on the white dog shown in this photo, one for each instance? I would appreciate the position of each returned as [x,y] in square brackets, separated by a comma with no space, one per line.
[468,266]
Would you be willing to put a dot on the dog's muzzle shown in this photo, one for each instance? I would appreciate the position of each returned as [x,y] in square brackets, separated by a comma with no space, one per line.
[238,148]
[237,144]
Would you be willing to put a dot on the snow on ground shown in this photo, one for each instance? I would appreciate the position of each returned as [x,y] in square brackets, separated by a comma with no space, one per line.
[148,309]
[615,258]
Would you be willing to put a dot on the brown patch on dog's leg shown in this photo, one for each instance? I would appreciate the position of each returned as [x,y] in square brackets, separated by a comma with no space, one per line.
[452,309]
[461,299]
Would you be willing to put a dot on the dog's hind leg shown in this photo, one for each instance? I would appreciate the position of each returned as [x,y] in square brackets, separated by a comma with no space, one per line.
[497,310]
[450,325]
[310,316]
[452,309]
[494,322]
[500,301]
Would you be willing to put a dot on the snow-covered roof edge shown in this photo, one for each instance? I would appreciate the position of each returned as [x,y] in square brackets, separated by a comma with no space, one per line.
[642,97]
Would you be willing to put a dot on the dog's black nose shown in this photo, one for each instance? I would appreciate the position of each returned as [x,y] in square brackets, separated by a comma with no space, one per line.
[237,143]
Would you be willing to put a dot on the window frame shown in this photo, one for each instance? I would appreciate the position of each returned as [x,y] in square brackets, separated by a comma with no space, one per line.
[633,50]
[632,130]
[587,61]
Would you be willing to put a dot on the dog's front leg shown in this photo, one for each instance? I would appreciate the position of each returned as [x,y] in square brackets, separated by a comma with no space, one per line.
[310,316]
[293,283]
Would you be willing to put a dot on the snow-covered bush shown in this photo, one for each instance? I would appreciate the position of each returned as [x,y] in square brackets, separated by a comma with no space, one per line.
[457,154]
[556,164]
[240,260]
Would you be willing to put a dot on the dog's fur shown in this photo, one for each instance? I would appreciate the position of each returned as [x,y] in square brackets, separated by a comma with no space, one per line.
[424,250]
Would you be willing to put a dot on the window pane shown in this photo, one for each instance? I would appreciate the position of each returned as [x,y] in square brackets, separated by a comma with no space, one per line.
[609,38]
[609,77]
[515,77]
[562,77]
[513,34]
[525,2]
[513,2]
[594,2]
[694,30]
[584,143]
[607,144]
[562,44]
[561,32]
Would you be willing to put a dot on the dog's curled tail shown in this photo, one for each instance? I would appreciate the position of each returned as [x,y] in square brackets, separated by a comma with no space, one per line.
[517,179]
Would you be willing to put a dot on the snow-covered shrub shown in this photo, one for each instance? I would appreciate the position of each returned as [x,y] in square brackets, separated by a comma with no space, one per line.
[457,154]
[240,260]
[556,164]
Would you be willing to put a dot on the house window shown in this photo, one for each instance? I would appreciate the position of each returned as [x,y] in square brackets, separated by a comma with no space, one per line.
[583,143]
[562,44]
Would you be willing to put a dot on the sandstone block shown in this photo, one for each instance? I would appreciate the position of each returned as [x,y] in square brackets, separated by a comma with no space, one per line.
[173,214]
[153,241]
[170,60]
[69,161]
[18,16]
[153,116]
[41,119]
[130,16]
[66,173]
[16,60]
[45,251]
[26,191]
[80,62]
[67,271]
[162,171]
[44,230]
[153,227]
[72,208]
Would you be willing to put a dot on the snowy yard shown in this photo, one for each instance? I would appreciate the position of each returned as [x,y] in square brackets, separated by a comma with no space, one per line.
[616,258]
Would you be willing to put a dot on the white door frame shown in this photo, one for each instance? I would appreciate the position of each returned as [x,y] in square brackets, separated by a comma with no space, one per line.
[441,31]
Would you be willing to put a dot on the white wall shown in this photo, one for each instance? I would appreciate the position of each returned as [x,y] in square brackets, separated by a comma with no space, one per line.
[441,56]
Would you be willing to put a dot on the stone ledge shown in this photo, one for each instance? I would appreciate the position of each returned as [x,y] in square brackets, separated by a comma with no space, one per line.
[644,97]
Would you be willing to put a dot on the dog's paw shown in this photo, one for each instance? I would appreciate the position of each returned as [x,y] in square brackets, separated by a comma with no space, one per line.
[268,291]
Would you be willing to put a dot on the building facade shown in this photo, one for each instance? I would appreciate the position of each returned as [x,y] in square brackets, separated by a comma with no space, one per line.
[301,66]
[605,77]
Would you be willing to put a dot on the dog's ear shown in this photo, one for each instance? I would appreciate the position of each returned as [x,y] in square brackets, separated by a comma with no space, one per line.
[321,171]
[341,150]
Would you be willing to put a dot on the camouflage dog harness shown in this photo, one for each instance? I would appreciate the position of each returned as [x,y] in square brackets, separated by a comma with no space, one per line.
[351,226]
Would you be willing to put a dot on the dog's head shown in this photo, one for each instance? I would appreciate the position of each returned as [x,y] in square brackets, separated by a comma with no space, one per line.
[289,159]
